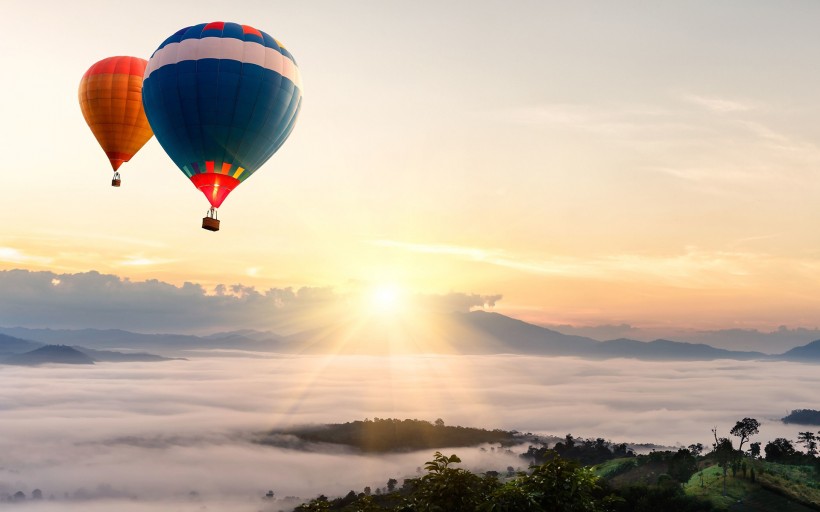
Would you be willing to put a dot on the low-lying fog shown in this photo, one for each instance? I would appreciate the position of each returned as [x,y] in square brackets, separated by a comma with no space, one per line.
[174,435]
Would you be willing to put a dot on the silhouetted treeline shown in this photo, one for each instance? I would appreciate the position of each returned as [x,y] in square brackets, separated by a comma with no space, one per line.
[803,417]
[384,435]
[586,451]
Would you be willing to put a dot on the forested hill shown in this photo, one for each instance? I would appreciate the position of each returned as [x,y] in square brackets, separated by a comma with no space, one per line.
[803,417]
[390,435]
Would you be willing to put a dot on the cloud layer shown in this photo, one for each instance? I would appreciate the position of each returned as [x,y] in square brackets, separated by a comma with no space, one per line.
[156,432]
[104,301]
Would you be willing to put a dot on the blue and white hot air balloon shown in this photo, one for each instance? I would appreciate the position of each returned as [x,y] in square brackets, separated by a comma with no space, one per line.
[221,98]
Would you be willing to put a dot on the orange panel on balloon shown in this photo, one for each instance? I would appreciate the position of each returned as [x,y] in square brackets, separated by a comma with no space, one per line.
[111,101]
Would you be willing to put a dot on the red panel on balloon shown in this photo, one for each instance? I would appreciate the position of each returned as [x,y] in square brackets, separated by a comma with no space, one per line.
[216,187]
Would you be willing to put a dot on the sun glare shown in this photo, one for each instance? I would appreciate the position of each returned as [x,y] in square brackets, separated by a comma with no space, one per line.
[385,299]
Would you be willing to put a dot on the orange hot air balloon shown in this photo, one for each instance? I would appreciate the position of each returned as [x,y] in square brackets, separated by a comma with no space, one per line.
[111,101]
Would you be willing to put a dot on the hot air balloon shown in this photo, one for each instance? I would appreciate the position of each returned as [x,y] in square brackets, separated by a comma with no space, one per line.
[221,99]
[111,100]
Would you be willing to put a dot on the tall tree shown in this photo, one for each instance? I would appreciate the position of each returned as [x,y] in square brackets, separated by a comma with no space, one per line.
[724,453]
[744,429]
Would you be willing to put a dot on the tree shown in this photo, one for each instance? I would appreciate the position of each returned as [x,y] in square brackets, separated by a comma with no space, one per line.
[36,494]
[725,454]
[754,450]
[391,484]
[445,487]
[561,485]
[682,466]
[809,440]
[744,429]
[779,450]
[439,422]
[696,449]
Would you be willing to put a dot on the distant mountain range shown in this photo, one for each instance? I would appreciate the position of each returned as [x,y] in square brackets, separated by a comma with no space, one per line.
[21,352]
[477,332]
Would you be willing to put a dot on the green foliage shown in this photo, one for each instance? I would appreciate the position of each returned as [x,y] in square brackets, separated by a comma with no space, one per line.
[682,465]
[446,488]
[780,450]
[559,485]
[586,451]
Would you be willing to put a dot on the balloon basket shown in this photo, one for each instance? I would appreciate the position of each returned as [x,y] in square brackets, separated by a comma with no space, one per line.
[115,182]
[210,224]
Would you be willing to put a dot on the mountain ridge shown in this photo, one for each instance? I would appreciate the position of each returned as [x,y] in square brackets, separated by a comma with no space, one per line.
[476,332]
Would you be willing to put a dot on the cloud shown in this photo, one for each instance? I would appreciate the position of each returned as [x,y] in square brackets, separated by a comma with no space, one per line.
[13,255]
[715,104]
[690,268]
[104,301]
[157,432]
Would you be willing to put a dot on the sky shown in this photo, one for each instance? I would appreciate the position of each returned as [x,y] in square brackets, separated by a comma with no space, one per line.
[593,163]
[157,431]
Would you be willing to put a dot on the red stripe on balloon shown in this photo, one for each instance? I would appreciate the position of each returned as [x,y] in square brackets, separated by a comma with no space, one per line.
[216,187]
[250,30]
[119,65]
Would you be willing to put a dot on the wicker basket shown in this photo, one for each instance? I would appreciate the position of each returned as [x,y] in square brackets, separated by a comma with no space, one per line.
[210,224]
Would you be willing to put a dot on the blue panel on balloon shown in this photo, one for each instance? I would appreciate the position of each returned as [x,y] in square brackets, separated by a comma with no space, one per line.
[213,101]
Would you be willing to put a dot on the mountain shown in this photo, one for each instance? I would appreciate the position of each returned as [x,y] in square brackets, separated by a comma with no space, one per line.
[60,354]
[510,335]
[476,332]
[109,356]
[12,345]
[810,352]
[666,350]
[114,339]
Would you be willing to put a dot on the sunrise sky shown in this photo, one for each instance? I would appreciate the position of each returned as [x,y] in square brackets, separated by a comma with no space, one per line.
[656,164]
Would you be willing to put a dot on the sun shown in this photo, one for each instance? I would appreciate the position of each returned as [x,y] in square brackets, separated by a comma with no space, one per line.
[385,299]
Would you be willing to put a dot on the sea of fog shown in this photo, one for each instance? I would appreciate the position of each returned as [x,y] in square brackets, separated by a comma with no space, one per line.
[174,436]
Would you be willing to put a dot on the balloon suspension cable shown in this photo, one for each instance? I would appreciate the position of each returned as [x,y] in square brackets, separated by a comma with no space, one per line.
[116,175]
[212,213]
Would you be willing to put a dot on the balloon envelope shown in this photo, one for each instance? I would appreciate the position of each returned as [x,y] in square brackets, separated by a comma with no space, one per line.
[221,99]
[111,101]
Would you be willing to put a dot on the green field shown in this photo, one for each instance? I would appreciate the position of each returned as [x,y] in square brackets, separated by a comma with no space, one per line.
[777,488]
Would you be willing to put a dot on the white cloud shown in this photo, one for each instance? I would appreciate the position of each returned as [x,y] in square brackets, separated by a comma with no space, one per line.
[715,104]
[159,431]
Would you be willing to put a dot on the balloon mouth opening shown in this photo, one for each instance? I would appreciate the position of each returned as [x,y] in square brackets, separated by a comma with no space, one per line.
[215,187]
[117,158]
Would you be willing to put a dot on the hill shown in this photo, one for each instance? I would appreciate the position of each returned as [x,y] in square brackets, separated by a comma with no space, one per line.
[24,352]
[810,352]
[110,356]
[166,344]
[803,417]
[58,354]
[389,435]
[13,345]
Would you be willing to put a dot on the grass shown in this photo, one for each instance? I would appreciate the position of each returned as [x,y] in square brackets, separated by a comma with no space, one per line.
[778,488]
[614,467]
